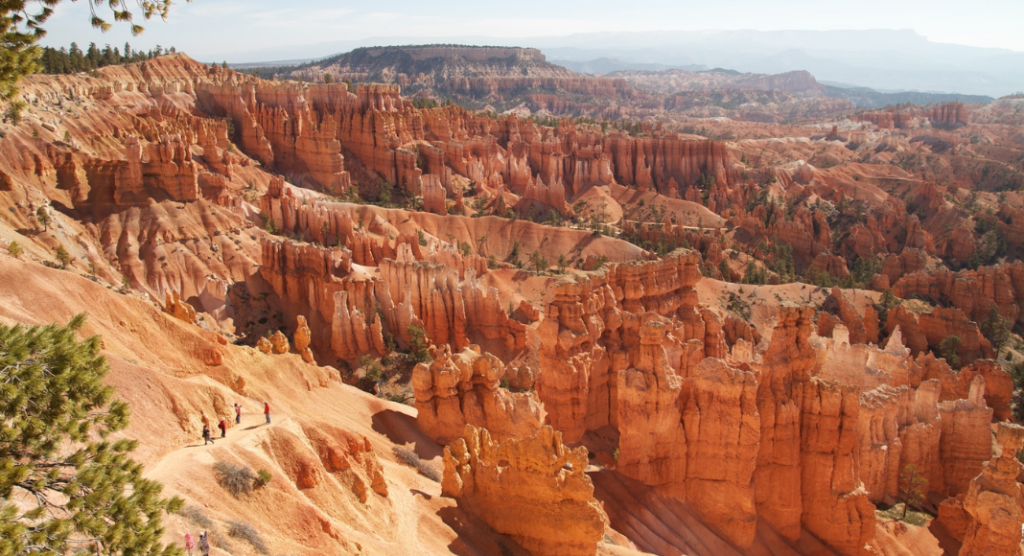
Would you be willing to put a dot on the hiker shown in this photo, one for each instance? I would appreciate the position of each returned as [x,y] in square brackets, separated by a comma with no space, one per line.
[190,543]
[206,435]
[266,411]
[238,414]
[204,545]
[223,426]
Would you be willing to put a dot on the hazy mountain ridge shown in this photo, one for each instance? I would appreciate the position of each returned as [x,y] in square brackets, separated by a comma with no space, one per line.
[884,60]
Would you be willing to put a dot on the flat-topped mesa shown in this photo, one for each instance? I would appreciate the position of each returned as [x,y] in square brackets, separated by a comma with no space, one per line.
[995,500]
[464,388]
[533,489]
[471,53]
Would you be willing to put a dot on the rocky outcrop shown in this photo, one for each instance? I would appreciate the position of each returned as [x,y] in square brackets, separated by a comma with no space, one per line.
[861,329]
[926,331]
[785,366]
[974,292]
[995,500]
[465,388]
[897,427]
[179,309]
[349,312]
[836,508]
[279,342]
[722,426]
[591,329]
[533,489]
[965,444]
[949,115]
[433,194]
[302,339]
[350,457]
[652,441]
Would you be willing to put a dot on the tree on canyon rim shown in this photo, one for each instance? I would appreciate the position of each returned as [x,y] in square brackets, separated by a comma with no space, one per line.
[21,27]
[64,486]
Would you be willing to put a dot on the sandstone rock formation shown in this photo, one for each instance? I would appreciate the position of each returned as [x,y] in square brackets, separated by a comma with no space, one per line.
[533,489]
[302,339]
[349,456]
[279,342]
[179,309]
[464,388]
[995,500]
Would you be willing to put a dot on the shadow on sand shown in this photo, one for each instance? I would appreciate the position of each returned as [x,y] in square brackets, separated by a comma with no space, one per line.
[476,538]
[402,429]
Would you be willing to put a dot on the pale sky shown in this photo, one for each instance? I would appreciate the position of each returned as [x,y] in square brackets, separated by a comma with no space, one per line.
[213,27]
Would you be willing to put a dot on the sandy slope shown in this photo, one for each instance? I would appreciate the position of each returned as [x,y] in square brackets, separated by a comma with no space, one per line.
[157,364]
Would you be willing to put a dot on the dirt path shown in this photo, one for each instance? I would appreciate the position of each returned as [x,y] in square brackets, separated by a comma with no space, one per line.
[195,454]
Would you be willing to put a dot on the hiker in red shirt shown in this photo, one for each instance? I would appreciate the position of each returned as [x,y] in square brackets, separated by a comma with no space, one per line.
[223,425]
[266,411]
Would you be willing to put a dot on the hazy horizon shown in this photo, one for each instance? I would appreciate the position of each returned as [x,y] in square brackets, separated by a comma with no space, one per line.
[934,47]
[208,27]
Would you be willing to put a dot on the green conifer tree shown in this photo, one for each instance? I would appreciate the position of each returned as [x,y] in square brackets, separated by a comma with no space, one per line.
[15,250]
[62,256]
[43,216]
[76,489]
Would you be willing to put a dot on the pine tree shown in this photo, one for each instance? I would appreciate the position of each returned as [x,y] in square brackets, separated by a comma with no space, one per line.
[540,263]
[43,217]
[912,488]
[949,349]
[62,256]
[75,488]
[995,330]
[723,268]
[15,250]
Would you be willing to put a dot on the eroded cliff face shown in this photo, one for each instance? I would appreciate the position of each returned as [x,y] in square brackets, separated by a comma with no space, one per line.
[802,431]
[995,498]
[533,489]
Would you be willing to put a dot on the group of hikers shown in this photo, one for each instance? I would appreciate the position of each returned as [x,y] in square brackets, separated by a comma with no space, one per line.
[204,544]
[223,424]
